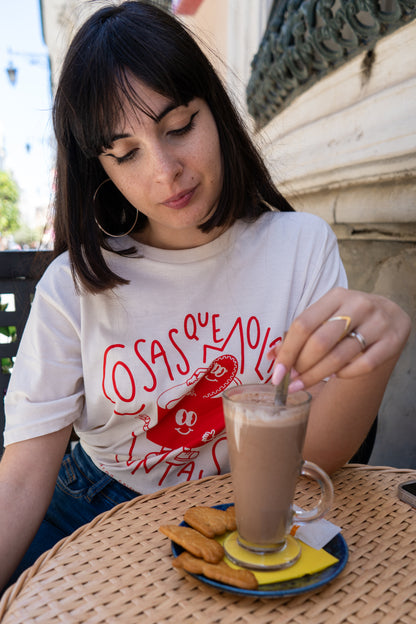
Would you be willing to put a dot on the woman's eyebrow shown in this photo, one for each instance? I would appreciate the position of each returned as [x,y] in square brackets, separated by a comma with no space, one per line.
[170,107]
[166,110]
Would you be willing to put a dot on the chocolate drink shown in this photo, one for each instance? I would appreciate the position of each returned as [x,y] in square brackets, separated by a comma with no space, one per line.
[265,446]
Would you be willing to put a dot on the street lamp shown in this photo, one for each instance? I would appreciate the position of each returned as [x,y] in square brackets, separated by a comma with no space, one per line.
[34,59]
[12,73]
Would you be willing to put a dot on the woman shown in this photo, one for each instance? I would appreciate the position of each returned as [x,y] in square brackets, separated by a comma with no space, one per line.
[179,268]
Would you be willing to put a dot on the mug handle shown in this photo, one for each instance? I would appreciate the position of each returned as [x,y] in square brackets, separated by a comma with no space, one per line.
[311,470]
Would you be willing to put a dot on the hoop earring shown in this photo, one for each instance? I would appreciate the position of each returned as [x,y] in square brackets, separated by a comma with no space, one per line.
[269,206]
[98,223]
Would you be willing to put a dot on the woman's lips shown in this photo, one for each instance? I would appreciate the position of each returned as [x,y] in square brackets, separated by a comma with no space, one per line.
[180,200]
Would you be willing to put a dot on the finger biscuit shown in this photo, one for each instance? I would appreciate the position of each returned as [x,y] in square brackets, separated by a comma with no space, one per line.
[209,521]
[218,572]
[194,542]
[231,521]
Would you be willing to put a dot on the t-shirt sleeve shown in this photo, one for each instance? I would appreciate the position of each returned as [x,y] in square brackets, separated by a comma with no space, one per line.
[325,269]
[46,391]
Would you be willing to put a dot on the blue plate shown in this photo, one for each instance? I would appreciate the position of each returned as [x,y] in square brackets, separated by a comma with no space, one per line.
[336,547]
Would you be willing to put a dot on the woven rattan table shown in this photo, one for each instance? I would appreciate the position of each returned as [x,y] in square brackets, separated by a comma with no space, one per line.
[119,569]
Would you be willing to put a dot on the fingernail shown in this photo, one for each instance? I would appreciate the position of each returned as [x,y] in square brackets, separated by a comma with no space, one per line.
[294,373]
[296,385]
[278,373]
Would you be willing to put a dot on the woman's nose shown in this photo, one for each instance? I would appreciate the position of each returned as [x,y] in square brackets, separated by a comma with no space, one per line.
[167,165]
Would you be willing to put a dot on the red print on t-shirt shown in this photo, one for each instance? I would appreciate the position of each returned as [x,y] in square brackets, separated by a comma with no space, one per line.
[192,418]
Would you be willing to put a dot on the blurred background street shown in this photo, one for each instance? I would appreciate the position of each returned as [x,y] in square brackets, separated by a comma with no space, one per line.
[26,150]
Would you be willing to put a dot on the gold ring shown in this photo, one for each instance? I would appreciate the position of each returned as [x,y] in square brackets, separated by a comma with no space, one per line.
[359,337]
[346,319]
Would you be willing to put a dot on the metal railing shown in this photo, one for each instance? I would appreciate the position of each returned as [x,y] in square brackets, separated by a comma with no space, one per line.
[19,273]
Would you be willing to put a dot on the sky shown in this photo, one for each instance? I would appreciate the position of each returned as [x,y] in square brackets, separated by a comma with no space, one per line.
[26,144]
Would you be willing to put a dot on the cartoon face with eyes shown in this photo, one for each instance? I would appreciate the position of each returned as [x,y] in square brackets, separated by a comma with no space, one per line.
[191,414]
[185,421]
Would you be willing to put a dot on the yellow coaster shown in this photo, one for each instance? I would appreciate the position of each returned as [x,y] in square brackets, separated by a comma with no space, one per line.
[311,561]
[265,562]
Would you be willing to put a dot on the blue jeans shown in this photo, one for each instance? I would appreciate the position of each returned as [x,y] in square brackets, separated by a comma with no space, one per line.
[82,492]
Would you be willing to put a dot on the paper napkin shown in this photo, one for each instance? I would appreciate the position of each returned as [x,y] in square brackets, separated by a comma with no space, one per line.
[316,533]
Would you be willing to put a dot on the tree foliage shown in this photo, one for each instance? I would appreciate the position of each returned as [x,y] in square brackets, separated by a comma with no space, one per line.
[9,198]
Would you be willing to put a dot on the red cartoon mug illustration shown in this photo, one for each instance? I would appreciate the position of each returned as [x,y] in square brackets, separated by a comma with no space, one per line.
[192,416]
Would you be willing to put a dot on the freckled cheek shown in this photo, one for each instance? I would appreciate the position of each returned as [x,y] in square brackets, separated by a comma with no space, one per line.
[209,151]
[212,163]
[135,186]
[133,192]
[217,178]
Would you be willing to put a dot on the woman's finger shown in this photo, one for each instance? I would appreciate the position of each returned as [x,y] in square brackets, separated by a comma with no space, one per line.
[335,351]
[311,337]
[348,351]
[346,333]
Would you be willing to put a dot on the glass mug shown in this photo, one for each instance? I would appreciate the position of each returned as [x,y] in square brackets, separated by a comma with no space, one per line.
[265,444]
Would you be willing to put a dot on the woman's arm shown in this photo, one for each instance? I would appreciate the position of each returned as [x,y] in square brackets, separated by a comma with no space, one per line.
[342,413]
[344,408]
[28,472]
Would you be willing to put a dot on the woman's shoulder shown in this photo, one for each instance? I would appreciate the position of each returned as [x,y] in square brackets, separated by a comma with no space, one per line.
[298,219]
[59,266]
[293,225]
[57,278]
[56,297]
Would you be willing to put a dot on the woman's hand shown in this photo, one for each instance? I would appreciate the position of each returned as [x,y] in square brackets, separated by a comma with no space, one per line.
[346,333]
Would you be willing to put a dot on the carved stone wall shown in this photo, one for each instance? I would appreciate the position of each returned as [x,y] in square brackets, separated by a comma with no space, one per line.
[306,40]
[345,149]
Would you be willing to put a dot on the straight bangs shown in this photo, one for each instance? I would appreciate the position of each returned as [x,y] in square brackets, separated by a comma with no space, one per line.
[121,49]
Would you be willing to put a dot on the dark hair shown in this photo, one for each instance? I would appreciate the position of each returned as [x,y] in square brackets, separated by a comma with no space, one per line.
[139,39]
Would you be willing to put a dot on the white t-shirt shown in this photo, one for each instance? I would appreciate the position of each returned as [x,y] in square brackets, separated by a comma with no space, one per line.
[139,370]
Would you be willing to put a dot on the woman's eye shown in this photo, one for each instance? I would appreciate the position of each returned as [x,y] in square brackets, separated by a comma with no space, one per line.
[129,156]
[185,129]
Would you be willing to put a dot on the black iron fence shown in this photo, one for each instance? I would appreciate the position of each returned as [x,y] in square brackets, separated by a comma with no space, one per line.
[19,273]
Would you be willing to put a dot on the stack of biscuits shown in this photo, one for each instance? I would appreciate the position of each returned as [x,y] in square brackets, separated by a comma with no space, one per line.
[203,554]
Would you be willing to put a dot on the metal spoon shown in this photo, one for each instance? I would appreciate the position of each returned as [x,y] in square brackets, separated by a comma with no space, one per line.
[281,391]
